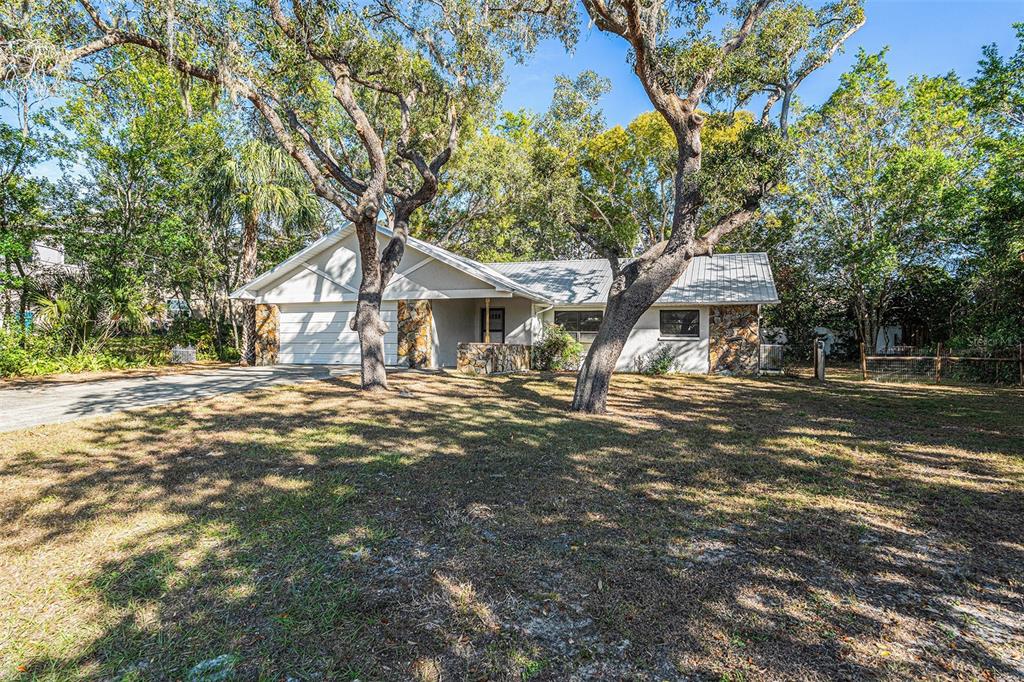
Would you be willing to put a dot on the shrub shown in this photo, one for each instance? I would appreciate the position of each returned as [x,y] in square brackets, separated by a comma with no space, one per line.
[43,352]
[17,350]
[557,350]
[658,362]
[203,334]
[73,319]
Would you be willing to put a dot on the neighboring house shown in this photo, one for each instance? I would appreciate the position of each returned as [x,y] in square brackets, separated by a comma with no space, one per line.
[444,310]
[47,254]
[888,338]
[47,268]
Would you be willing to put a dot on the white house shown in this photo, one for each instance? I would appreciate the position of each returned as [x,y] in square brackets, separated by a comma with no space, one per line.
[47,267]
[47,254]
[888,339]
[445,310]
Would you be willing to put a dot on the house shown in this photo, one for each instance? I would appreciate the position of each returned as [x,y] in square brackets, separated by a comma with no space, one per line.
[888,339]
[46,268]
[46,255]
[445,310]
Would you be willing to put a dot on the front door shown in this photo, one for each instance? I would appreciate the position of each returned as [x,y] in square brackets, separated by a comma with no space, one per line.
[497,325]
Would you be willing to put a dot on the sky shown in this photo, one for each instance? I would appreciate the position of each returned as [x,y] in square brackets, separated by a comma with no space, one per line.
[929,37]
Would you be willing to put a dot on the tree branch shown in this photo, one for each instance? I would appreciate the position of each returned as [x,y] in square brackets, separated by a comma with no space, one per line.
[735,42]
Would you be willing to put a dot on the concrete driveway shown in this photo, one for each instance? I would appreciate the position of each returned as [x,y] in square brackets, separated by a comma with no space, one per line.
[25,406]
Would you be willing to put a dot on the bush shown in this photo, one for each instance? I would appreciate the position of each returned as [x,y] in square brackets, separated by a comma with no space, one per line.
[658,362]
[557,350]
[17,350]
[38,353]
[63,344]
[202,334]
[41,352]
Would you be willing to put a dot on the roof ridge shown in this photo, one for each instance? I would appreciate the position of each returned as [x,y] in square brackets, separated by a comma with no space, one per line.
[604,260]
[549,260]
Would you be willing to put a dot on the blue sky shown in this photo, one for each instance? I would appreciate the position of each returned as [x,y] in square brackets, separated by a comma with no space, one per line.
[924,37]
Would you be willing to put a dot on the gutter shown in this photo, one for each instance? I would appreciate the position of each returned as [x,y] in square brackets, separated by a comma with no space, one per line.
[242,295]
[537,313]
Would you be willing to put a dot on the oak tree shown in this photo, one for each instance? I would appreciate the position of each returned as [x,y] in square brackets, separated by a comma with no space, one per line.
[687,65]
[367,97]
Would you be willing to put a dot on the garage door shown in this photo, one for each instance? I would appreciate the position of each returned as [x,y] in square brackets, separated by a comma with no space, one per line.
[318,334]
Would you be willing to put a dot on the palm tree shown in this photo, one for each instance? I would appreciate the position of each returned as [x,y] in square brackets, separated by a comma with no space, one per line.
[259,185]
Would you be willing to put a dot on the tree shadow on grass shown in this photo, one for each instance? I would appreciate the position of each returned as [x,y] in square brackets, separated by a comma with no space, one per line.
[707,528]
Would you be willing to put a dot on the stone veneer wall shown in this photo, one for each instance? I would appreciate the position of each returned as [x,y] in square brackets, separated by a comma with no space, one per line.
[414,321]
[733,339]
[268,341]
[492,358]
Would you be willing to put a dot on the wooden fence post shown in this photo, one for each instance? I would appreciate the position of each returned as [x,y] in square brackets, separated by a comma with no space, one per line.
[863,363]
[938,362]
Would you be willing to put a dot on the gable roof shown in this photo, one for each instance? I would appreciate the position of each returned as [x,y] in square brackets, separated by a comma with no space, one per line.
[246,291]
[728,278]
[723,278]
[482,272]
[472,267]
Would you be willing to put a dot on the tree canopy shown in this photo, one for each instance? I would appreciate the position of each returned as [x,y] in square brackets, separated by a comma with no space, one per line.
[191,130]
[885,182]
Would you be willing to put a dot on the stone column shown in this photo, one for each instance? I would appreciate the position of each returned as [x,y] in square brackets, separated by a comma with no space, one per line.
[733,339]
[268,342]
[415,319]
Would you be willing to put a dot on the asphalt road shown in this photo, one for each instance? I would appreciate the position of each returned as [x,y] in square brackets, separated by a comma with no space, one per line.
[33,405]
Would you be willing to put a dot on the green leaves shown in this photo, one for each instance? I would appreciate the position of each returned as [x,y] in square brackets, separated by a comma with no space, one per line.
[885,184]
[993,271]
[24,207]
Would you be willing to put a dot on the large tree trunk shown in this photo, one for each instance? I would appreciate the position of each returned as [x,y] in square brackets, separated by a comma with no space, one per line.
[596,372]
[632,293]
[638,285]
[250,224]
[367,321]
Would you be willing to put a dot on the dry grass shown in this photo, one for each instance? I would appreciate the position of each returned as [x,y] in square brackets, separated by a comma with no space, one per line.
[464,528]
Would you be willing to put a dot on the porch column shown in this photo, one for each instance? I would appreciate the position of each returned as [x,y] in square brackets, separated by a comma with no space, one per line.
[487,320]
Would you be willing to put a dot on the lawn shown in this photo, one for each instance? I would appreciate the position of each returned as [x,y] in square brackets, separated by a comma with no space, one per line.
[470,528]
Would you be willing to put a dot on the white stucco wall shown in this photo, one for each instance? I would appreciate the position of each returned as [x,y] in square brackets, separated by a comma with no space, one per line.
[47,255]
[691,355]
[455,321]
[518,318]
[458,321]
[333,275]
[888,336]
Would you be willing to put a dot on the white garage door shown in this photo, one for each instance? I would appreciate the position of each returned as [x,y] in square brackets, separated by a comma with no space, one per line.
[318,334]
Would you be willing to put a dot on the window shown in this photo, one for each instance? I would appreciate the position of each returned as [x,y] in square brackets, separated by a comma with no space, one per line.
[497,326]
[582,324]
[177,307]
[681,323]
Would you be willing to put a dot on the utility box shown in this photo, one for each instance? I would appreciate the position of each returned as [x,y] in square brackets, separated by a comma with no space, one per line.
[183,355]
[819,360]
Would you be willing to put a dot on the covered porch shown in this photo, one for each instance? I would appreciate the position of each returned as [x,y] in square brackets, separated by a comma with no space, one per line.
[478,335]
